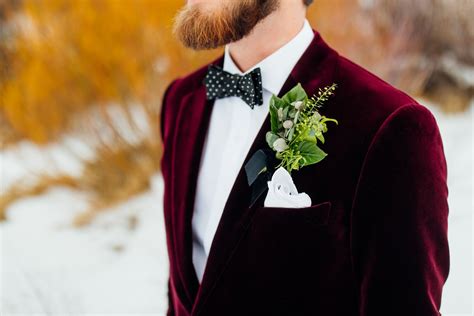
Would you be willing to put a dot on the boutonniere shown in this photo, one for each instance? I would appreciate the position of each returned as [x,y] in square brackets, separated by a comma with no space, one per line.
[296,129]
[297,126]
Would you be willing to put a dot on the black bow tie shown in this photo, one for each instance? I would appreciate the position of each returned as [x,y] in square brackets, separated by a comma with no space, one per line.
[220,84]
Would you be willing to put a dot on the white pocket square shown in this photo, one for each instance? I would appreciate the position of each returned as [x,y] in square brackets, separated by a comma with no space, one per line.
[282,192]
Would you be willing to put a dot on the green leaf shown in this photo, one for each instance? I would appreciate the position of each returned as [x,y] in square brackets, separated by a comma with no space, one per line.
[292,112]
[311,153]
[327,119]
[275,104]
[310,138]
[285,112]
[273,116]
[271,138]
[291,133]
[295,94]
[321,137]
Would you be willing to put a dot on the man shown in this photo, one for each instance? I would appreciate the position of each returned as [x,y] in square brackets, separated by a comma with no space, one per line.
[374,240]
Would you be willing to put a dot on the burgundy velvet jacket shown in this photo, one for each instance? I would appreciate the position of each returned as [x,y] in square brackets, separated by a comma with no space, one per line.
[374,242]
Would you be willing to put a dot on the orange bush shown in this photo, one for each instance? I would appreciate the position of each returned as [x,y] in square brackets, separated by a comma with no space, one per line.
[70,55]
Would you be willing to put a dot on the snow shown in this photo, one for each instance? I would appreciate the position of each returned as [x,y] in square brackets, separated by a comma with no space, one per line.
[51,268]
[458,141]
[114,267]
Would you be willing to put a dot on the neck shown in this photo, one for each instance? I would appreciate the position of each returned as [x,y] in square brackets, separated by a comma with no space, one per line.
[269,35]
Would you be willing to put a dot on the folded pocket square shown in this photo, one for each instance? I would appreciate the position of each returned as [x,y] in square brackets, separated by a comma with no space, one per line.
[282,192]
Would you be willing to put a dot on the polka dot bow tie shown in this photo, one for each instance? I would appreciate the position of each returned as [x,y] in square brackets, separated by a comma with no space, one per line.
[220,84]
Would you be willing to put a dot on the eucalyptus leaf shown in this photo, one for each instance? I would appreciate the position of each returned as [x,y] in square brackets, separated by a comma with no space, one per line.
[271,138]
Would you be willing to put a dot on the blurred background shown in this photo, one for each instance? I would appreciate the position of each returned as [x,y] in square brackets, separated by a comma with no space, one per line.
[81,83]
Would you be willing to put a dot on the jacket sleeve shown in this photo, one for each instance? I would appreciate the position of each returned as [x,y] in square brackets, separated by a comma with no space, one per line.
[164,117]
[399,217]
[170,311]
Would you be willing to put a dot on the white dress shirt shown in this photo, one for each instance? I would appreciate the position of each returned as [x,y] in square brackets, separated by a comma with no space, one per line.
[232,129]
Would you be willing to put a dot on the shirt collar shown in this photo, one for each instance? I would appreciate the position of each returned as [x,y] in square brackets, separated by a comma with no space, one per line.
[276,67]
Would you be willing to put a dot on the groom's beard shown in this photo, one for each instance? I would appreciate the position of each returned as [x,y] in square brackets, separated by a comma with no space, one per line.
[200,28]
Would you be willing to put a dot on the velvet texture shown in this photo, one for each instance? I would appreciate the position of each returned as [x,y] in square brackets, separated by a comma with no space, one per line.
[374,242]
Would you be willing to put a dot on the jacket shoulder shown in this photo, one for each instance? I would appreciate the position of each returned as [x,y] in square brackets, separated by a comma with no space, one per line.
[191,81]
[371,109]
[175,91]
[369,91]
[366,101]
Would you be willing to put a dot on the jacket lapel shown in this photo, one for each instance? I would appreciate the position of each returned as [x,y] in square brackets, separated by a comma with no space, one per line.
[193,120]
[314,69]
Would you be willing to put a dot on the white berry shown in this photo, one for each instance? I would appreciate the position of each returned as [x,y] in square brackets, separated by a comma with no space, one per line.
[280,145]
[288,124]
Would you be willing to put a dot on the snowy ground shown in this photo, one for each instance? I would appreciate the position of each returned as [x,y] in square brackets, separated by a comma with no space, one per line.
[108,267]
[116,267]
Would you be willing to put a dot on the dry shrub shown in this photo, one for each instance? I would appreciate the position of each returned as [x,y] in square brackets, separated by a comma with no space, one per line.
[425,47]
[117,174]
[8,135]
[68,57]
[22,190]
[126,153]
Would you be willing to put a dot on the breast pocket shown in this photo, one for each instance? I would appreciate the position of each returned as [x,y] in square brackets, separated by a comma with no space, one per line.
[292,248]
[317,215]
[274,229]
[298,231]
